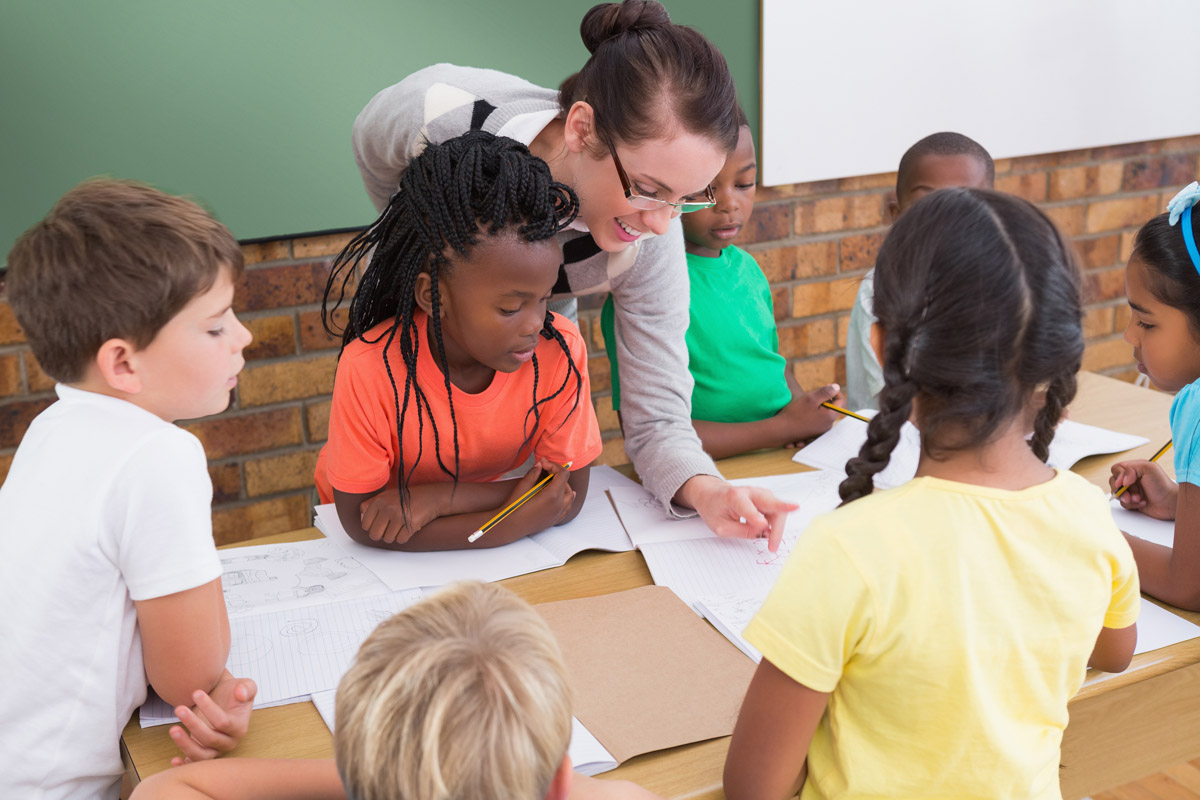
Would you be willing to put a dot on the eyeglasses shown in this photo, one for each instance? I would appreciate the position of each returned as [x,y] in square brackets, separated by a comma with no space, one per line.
[644,203]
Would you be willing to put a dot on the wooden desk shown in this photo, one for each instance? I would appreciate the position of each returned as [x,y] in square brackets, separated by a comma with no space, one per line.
[1123,727]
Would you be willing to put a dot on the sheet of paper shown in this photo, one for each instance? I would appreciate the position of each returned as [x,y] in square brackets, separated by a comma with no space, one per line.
[1158,627]
[647,673]
[1138,524]
[713,567]
[325,702]
[588,756]
[596,527]
[156,712]
[275,577]
[1073,441]
[730,614]
[410,570]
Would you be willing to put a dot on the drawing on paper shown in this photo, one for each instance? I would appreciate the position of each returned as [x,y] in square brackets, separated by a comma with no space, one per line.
[298,627]
[765,558]
[246,648]
[280,577]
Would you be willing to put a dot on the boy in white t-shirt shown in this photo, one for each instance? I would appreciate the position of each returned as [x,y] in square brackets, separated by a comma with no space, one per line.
[108,573]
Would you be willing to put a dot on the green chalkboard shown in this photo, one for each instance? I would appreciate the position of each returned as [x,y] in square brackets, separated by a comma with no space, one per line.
[247,104]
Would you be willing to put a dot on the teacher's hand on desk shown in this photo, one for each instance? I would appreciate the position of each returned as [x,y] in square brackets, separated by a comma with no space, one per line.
[736,512]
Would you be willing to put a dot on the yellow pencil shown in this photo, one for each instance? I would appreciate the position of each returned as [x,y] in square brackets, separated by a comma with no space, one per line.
[1154,457]
[845,411]
[513,506]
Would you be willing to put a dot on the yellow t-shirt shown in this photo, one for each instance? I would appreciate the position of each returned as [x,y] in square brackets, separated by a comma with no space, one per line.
[952,623]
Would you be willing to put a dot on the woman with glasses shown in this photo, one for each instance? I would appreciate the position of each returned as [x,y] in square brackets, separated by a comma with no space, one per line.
[639,132]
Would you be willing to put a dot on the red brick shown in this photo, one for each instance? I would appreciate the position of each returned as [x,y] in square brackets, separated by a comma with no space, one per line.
[15,418]
[797,261]
[829,214]
[815,372]
[279,287]
[312,333]
[262,518]
[317,246]
[281,381]
[1108,177]
[275,474]
[1029,185]
[843,330]
[1098,252]
[859,252]
[226,436]
[259,252]
[226,481]
[1180,143]
[1127,240]
[613,453]
[807,338]
[1124,212]
[1150,173]
[1071,183]
[781,301]
[37,378]
[274,336]
[316,420]
[769,221]
[1107,354]
[1104,285]
[1121,316]
[1069,219]
[1125,150]
[1097,322]
[598,373]
[606,416]
[5,465]
[1048,160]
[858,183]
[812,299]
[769,193]
[10,375]
[10,330]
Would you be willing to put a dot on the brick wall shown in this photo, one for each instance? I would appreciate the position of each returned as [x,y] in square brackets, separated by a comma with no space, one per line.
[814,241]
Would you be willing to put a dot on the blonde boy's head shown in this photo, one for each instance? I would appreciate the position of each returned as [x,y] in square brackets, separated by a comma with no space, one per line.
[464,695]
[113,259]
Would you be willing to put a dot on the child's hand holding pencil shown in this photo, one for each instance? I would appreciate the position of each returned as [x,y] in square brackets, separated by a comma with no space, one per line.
[542,497]
[1144,486]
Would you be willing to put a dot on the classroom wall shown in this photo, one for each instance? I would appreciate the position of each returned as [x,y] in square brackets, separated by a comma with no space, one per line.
[814,241]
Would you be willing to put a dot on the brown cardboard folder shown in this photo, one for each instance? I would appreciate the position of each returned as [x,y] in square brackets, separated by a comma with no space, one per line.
[646,671]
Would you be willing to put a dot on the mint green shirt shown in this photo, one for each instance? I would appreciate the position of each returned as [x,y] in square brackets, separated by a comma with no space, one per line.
[733,346]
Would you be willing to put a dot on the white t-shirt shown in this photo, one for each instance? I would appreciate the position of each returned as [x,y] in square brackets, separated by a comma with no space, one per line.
[104,504]
[864,376]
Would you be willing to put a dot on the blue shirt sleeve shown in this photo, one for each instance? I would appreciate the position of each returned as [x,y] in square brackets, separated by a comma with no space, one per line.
[1185,433]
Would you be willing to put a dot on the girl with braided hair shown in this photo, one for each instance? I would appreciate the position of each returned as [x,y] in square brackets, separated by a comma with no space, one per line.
[924,641]
[452,371]
[639,133]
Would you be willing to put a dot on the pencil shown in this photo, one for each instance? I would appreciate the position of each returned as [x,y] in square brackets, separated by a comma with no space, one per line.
[1154,457]
[845,411]
[513,506]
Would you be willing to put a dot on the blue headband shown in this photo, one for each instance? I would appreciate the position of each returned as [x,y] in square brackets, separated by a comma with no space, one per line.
[1180,209]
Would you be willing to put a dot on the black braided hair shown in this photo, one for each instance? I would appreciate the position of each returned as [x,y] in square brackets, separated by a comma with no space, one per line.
[978,296]
[449,195]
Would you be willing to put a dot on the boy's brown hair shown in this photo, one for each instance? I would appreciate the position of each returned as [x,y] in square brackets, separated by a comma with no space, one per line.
[462,695]
[114,259]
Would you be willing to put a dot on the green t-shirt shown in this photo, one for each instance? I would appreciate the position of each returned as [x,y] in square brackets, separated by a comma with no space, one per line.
[733,346]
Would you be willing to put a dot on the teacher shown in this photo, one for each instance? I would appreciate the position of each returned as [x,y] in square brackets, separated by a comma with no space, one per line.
[638,133]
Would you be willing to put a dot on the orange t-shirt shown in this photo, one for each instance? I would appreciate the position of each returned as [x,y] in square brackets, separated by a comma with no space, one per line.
[362,452]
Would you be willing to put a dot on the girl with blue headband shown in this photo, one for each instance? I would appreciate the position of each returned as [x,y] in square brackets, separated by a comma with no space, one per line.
[1162,283]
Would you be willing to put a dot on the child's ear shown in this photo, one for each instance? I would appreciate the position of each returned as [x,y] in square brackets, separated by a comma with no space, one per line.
[423,294]
[893,206]
[580,127]
[560,787]
[878,335]
[117,365]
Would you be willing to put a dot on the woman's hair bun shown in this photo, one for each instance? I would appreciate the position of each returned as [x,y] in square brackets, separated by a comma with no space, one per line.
[606,20]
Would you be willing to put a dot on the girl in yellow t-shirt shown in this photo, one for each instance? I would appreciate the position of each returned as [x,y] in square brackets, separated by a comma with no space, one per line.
[924,641]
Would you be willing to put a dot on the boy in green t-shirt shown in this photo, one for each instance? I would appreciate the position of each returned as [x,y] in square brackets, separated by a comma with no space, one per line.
[745,398]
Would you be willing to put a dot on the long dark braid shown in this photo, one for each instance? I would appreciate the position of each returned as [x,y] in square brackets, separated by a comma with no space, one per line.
[449,195]
[978,295]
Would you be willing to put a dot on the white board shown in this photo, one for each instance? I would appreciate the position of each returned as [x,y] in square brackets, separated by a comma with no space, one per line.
[848,87]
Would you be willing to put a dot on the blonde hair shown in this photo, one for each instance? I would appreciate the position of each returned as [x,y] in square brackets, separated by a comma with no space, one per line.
[461,697]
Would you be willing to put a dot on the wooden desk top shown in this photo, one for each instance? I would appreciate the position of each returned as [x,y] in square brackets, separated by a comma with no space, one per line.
[694,771]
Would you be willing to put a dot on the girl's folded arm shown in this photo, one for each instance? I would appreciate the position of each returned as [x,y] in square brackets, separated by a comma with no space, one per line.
[769,750]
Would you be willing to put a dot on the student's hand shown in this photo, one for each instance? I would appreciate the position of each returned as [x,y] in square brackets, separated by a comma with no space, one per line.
[1150,490]
[552,502]
[737,512]
[804,417]
[383,520]
[217,721]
